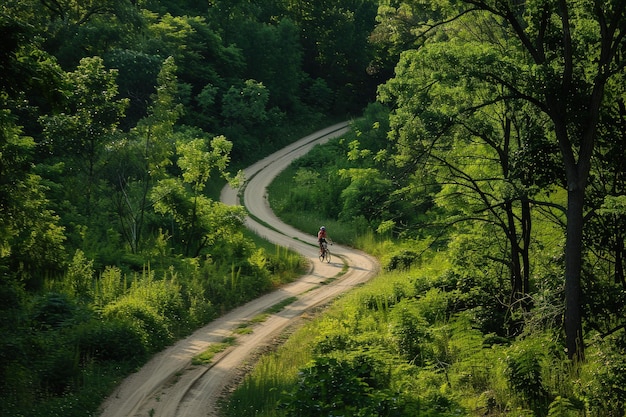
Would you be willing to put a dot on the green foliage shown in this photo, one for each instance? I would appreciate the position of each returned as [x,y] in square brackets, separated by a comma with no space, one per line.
[103,107]
[273,375]
[524,373]
[93,99]
[54,310]
[81,130]
[331,385]
[31,238]
[80,275]
[402,260]
[59,371]
[410,332]
[112,340]
[603,377]
[246,105]
[562,407]
[110,285]
[137,77]
[143,319]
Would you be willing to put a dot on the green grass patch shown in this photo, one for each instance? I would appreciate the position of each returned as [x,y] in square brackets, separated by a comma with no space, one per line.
[207,355]
[245,328]
[281,305]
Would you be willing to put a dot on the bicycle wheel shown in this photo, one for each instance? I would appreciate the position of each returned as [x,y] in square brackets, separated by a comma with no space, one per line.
[322,256]
[327,256]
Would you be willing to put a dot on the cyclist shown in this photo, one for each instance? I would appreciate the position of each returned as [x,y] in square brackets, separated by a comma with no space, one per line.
[321,238]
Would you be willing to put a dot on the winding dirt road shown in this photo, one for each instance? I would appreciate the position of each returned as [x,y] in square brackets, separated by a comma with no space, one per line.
[169,385]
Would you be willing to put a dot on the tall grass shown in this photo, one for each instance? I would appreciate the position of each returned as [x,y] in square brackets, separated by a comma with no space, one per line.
[308,219]
[286,265]
[275,373]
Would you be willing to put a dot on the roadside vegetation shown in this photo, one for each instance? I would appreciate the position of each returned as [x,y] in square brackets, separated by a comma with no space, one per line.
[485,168]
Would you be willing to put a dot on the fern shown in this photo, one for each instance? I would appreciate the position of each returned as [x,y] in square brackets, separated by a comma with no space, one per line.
[562,407]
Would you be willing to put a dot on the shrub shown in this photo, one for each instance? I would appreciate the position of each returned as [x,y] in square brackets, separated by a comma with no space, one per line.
[59,369]
[144,318]
[403,260]
[53,310]
[603,380]
[331,342]
[332,386]
[164,296]
[433,306]
[110,341]
[109,286]
[410,331]
[524,374]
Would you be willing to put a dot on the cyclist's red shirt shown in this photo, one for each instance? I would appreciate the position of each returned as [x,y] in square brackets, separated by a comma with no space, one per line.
[321,235]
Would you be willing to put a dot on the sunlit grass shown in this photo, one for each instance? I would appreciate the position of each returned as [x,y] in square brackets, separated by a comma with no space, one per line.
[275,373]
[208,354]
[246,328]
[309,220]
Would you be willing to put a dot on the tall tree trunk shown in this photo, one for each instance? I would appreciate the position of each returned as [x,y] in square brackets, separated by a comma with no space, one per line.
[526,230]
[573,268]
[619,257]
[515,268]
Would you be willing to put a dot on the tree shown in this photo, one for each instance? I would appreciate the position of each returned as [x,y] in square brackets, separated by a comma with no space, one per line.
[563,56]
[87,124]
[201,221]
[148,151]
[334,35]
[31,240]
[575,51]
[274,57]
[453,130]
[246,115]
[247,105]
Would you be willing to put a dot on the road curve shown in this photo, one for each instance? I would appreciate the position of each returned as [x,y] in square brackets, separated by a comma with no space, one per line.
[169,385]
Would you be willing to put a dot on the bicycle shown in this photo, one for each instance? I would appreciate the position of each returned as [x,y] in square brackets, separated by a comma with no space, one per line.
[325,253]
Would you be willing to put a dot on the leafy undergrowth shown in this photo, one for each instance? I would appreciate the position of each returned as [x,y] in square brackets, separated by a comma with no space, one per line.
[401,346]
[70,346]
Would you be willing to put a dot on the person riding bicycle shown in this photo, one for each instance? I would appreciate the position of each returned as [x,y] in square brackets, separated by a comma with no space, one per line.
[321,238]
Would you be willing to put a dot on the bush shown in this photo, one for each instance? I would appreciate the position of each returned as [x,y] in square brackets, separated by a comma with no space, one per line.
[434,305]
[603,381]
[403,260]
[144,319]
[53,310]
[331,342]
[524,374]
[164,296]
[348,387]
[110,341]
[59,370]
[410,332]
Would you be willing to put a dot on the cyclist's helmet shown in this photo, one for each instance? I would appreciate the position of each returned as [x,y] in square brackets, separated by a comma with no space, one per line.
[323,228]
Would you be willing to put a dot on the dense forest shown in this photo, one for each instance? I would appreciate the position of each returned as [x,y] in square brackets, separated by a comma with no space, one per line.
[120,122]
[484,167]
